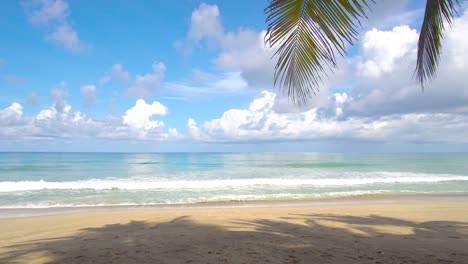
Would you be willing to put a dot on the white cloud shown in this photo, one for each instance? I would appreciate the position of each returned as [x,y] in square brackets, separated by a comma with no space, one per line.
[11,120]
[386,85]
[60,121]
[116,73]
[241,52]
[455,53]
[379,100]
[11,113]
[67,38]
[53,16]
[145,85]
[202,83]
[89,94]
[139,116]
[245,52]
[382,101]
[382,49]
[57,111]
[261,122]
[205,23]
[45,11]
[60,108]
[193,130]
[384,64]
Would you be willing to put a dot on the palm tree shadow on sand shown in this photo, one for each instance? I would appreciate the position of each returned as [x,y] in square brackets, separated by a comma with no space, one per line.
[312,238]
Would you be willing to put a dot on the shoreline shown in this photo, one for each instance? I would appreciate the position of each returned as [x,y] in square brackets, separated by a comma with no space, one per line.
[377,198]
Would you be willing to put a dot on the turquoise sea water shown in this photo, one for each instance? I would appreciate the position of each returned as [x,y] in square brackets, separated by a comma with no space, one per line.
[42,180]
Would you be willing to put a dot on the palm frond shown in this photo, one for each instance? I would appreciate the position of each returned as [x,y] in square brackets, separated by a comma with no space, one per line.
[430,38]
[308,34]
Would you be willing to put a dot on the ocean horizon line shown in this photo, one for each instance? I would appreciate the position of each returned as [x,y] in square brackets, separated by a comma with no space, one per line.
[245,152]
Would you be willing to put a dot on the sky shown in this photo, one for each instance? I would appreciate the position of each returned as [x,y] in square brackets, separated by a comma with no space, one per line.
[158,76]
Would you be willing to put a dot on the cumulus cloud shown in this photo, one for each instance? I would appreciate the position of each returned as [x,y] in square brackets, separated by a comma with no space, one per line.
[145,85]
[139,116]
[205,23]
[53,16]
[245,51]
[116,73]
[89,94]
[60,121]
[193,130]
[242,51]
[383,80]
[11,120]
[381,102]
[377,99]
[57,111]
[261,122]
[11,114]
[382,49]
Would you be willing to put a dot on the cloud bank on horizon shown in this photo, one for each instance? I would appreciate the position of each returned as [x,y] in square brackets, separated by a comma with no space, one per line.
[371,97]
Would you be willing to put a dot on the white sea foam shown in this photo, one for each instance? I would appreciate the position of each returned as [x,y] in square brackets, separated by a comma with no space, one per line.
[148,184]
[207,199]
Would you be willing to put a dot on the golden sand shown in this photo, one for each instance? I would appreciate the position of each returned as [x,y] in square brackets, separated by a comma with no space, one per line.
[413,232]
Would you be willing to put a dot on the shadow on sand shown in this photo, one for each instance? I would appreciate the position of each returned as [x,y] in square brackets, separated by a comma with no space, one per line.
[313,238]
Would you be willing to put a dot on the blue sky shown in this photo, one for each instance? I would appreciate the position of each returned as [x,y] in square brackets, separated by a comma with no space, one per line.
[195,76]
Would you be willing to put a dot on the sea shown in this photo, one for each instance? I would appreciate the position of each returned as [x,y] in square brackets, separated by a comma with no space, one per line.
[51,180]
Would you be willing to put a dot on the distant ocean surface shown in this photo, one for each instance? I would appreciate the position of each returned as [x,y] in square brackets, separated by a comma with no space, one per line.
[45,180]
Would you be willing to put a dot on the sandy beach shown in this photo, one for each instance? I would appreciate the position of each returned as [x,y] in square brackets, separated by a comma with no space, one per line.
[399,232]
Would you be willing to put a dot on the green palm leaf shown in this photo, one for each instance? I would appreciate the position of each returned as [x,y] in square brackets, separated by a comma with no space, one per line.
[309,34]
[429,44]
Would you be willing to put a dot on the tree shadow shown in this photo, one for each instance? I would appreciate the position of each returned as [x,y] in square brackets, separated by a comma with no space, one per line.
[298,238]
